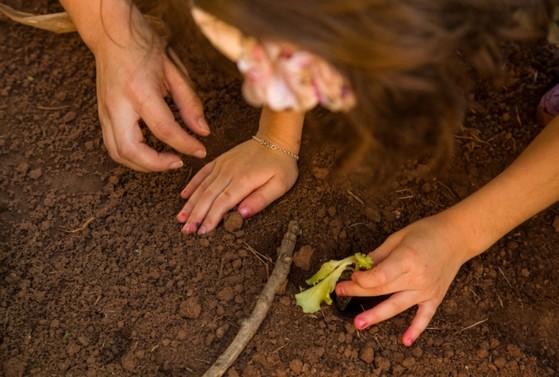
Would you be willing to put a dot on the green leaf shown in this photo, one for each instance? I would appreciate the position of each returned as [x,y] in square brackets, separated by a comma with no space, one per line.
[324,281]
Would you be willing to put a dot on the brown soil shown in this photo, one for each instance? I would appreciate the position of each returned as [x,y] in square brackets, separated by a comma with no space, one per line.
[97,280]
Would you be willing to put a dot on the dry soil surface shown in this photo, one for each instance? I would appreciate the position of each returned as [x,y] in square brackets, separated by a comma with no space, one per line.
[97,280]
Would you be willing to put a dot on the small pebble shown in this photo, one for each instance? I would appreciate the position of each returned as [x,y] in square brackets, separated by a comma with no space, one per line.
[408,362]
[89,145]
[226,294]
[303,257]
[296,366]
[83,340]
[382,362]
[70,116]
[22,168]
[367,353]
[320,173]
[73,348]
[233,222]
[190,308]
[500,362]
[36,173]
[128,363]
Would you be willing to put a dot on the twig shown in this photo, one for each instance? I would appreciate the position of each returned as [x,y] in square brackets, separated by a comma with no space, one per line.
[67,230]
[262,258]
[504,276]
[282,347]
[52,107]
[263,303]
[470,138]
[474,325]
[359,200]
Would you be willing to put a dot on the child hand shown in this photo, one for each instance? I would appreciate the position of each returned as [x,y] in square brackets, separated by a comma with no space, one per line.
[249,175]
[132,81]
[416,265]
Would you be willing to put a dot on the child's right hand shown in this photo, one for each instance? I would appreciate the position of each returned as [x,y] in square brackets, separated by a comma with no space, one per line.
[249,175]
[134,74]
[416,266]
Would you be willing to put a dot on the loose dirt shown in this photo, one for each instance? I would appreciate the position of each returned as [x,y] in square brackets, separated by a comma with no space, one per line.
[97,280]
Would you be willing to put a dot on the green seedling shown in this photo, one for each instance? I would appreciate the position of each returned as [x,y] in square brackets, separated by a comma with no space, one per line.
[324,281]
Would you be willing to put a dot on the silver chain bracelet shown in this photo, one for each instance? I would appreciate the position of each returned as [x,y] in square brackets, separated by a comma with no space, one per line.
[274,147]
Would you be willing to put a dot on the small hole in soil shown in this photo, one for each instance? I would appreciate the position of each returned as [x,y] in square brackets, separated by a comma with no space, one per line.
[349,307]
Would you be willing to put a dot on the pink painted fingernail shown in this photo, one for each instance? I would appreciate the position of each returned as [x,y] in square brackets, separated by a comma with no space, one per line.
[245,212]
[340,291]
[361,323]
[189,228]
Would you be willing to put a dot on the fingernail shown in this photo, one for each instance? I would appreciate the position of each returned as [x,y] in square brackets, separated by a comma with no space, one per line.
[200,153]
[189,228]
[181,217]
[361,323]
[176,165]
[202,230]
[245,212]
[340,291]
[203,125]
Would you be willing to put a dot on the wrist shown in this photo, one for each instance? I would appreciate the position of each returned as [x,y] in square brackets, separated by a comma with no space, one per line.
[102,23]
[282,129]
[473,229]
[274,147]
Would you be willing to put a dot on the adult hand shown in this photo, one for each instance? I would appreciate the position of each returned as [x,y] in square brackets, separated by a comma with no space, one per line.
[416,265]
[132,81]
[250,175]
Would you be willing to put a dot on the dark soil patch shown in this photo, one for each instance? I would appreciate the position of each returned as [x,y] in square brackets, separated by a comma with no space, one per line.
[97,280]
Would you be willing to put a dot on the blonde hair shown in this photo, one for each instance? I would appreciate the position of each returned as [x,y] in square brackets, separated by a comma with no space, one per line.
[403,58]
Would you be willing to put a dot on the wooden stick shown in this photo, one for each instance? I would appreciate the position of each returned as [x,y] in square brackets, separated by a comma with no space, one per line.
[250,325]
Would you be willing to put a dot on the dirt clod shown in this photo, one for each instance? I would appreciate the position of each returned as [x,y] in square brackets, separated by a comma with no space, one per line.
[233,222]
[303,257]
[367,353]
[190,308]
[137,297]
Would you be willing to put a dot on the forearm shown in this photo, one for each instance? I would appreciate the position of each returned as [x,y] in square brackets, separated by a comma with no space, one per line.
[101,21]
[283,128]
[525,188]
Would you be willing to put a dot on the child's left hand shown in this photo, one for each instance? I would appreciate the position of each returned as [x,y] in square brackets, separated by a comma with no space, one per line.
[249,175]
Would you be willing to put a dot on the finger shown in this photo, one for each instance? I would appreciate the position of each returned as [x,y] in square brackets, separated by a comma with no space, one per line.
[388,308]
[203,199]
[383,279]
[188,103]
[110,142]
[161,122]
[424,315]
[227,199]
[129,146]
[195,181]
[191,188]
[260,199]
